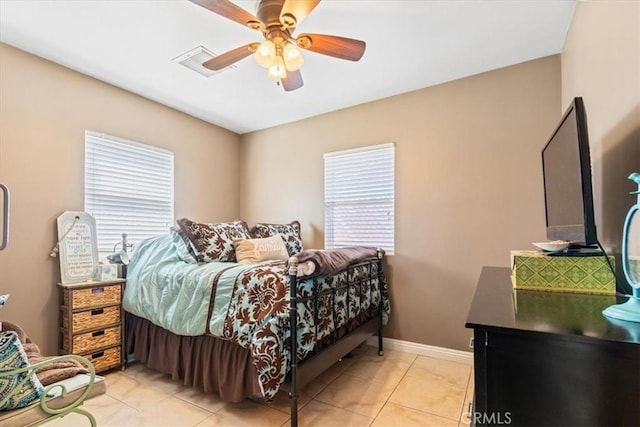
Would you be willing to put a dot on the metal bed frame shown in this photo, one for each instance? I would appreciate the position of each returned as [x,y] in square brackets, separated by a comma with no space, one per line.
[301,372]
[341,340]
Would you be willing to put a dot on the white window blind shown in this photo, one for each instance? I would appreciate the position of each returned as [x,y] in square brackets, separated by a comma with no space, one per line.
[128,188]
[359,197]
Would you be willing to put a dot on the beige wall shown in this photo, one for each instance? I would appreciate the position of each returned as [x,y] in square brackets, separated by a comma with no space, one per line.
[44,111]
[601,63]
[468,184]
[468,178]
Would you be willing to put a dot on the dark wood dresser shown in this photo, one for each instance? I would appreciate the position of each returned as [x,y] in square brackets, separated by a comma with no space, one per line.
[551,358]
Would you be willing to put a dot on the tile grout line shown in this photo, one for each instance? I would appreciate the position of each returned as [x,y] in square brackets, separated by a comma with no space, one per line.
[465,401]
[167,396]
[395,388]
[373,419]
[312,398]
[175,396]
[419,410]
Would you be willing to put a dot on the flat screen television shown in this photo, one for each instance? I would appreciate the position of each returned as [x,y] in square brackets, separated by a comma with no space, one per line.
[566,168]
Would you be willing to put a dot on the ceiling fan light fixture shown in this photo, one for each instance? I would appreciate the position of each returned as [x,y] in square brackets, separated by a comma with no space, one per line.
[277,70]
[265,54]
[293,59]
[280,52]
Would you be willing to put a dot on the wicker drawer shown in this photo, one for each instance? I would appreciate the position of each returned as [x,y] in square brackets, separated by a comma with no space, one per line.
[93,297]
[84,343]
[91,319]
[106,359]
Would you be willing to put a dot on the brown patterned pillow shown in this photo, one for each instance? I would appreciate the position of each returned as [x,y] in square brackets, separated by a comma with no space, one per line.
[290,234]
[184,248]
[214,242]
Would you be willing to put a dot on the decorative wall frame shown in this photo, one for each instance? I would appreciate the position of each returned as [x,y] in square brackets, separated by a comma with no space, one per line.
[78,247]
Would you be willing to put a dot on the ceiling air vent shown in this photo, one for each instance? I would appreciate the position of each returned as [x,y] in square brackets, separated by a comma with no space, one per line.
[194,58]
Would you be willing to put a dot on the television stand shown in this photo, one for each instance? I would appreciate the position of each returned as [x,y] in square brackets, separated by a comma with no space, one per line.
[551,358]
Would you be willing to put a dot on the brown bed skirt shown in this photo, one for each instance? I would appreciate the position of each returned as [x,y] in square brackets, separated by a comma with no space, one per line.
[203,361]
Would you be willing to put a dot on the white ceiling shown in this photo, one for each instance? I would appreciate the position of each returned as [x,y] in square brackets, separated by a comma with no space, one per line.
[410,45]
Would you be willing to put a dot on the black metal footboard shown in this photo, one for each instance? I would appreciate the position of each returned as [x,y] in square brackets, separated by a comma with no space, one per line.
[366,276]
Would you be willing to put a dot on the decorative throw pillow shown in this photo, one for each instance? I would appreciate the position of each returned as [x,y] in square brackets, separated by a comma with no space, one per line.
[256,250]
[12,356]
[290,234]
[214,242]
[183,246]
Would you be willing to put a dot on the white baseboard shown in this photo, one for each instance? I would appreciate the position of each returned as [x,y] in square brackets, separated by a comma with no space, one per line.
[423,350]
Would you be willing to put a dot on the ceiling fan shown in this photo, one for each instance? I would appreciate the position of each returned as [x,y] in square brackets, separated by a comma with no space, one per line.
[278,53]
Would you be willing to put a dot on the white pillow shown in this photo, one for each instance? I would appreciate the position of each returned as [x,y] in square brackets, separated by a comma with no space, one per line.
[256,250]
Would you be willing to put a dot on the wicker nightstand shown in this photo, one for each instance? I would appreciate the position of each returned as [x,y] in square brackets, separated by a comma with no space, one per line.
[93,323]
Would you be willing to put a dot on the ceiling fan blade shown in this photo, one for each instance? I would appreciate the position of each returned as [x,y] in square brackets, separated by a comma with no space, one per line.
[298,9]
[339,47]
[228,58]
[293,81]
[228,10]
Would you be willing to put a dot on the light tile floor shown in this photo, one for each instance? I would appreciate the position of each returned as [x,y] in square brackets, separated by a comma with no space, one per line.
[397,389]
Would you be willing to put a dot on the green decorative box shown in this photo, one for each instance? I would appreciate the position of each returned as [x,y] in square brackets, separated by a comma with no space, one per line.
[584,274]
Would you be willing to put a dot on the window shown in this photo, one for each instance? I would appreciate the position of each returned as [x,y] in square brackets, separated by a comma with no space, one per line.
[128,188]
[359,197]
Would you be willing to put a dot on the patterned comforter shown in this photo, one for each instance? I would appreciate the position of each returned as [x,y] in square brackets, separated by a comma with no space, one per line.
[248,303]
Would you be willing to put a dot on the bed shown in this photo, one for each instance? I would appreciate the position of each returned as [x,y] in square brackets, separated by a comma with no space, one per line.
[224,323]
